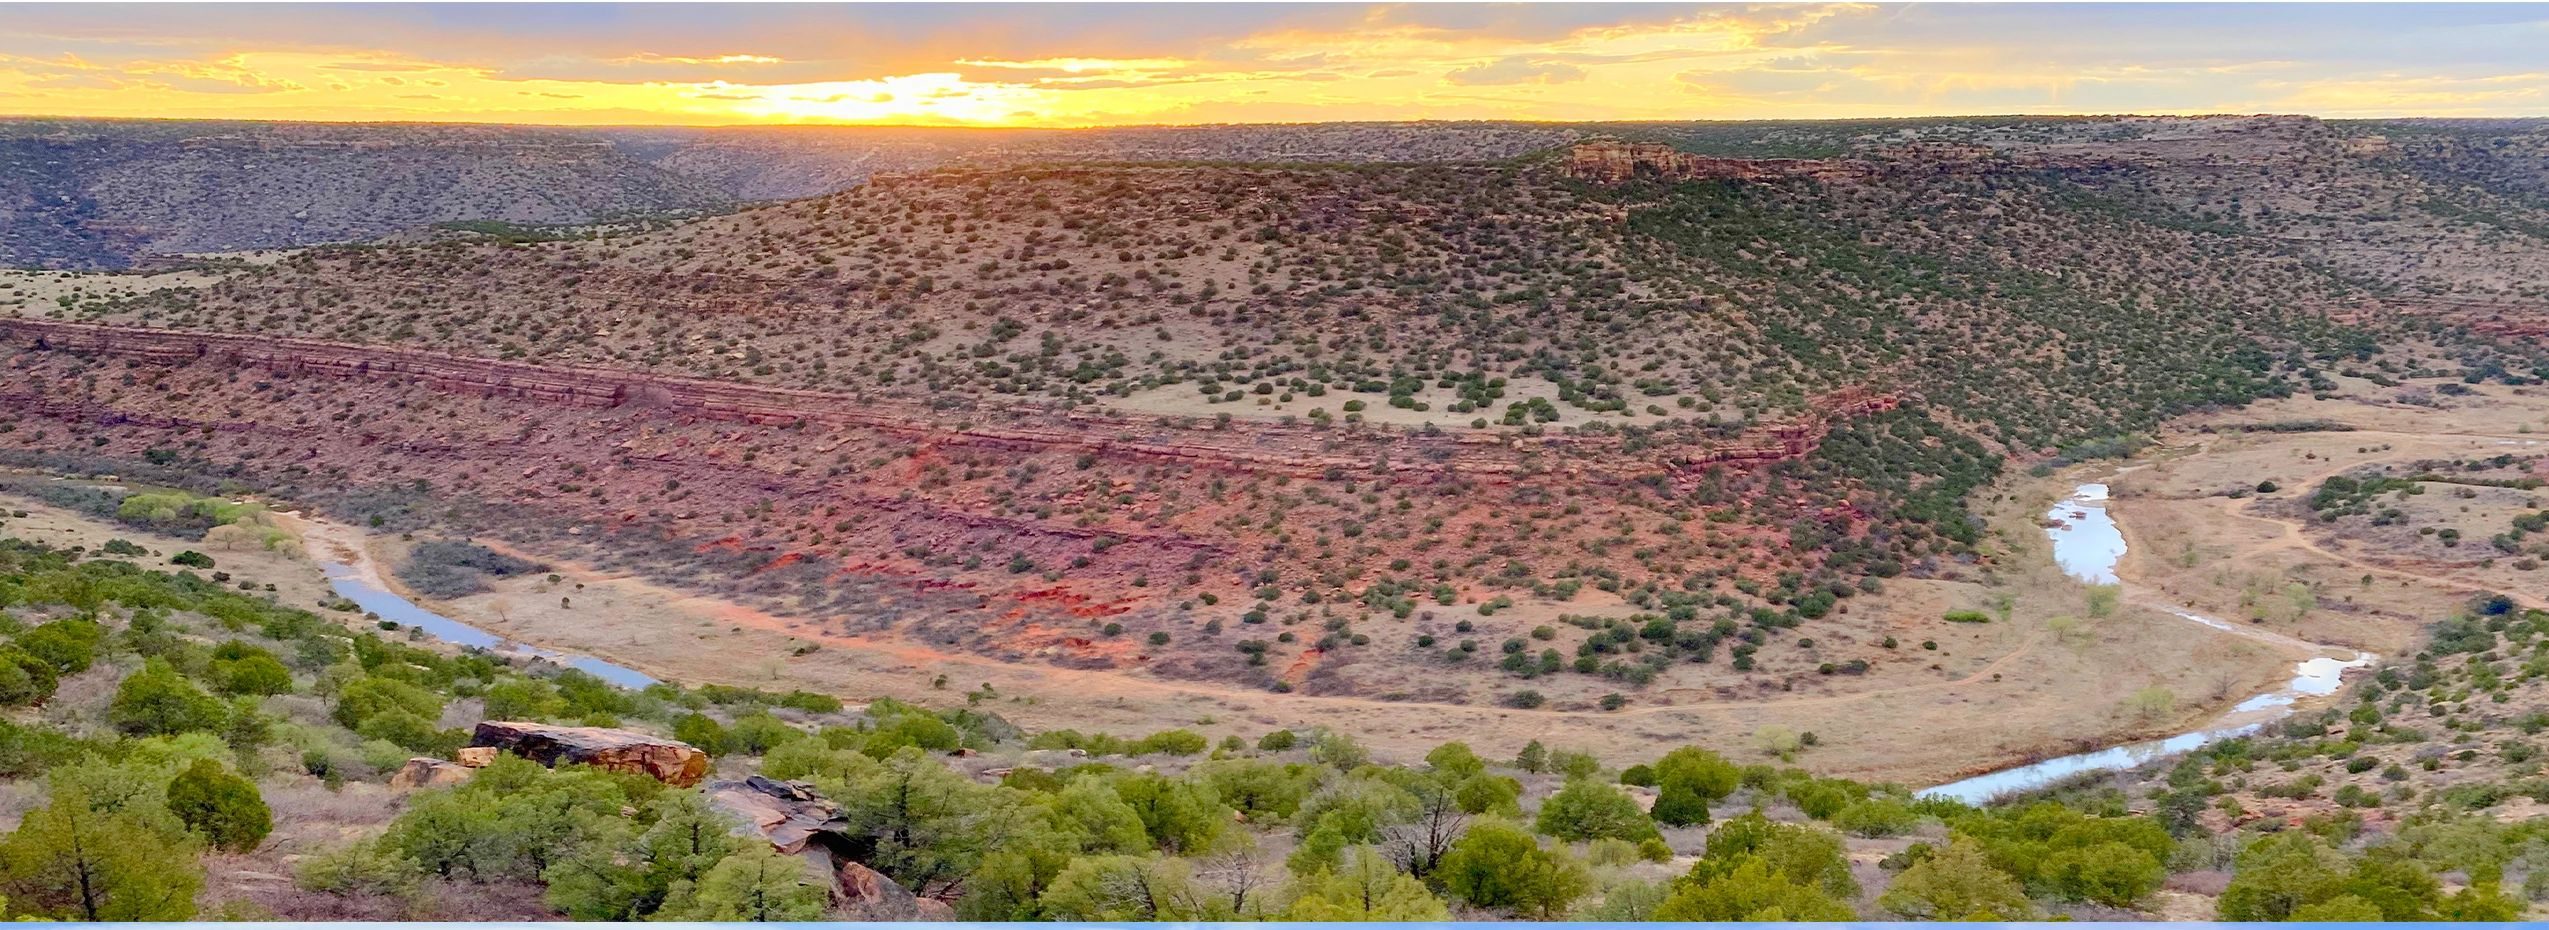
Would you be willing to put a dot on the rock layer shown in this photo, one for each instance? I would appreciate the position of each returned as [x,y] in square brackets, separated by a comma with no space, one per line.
[1267,447]
[671,762]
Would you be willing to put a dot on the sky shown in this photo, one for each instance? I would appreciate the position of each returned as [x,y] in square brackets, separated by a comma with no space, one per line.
[1115,64]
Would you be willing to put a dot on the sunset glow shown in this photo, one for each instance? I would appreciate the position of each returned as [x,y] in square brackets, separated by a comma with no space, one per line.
[1074,65]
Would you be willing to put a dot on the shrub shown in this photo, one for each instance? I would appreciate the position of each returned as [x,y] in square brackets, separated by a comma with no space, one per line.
[221,806]
[157,701]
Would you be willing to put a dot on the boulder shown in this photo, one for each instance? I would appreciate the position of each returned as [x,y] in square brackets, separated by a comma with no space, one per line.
[789,815]
[422,772]
[865,895]
[796,820]
[670,761]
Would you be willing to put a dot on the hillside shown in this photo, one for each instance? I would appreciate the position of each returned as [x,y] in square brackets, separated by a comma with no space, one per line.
[1297,448]
[103,194]
[1695,402]
[86,194]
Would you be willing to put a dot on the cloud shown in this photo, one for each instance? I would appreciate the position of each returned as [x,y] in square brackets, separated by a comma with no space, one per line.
[1515,69]
[652,58]
[1084,64]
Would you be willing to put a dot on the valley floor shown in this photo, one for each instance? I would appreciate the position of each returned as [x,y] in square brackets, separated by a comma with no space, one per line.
[2045,678]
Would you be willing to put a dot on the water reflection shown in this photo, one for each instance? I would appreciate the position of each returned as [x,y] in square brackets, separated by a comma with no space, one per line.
[350,584]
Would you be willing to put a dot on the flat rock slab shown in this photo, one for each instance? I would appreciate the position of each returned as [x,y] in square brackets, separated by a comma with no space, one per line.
[672,762]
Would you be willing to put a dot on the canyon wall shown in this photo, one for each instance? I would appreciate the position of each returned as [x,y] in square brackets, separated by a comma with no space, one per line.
[1255,446]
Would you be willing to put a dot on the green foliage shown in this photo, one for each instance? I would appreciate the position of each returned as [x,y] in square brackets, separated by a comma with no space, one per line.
[2112,874]
[1366,888]
[1586,809]
[1876,817]
[25,679]
[1127,888]
[757,884]
[1687,781]
[932,827]
[71,860]
[515,819]
[364,698]
[68,646]
[220,806]
[625,877]
[1456,760]
[1500,866]
[239,669]
[1750,891]
[158,701]
[1957,883]
[527,699]
[359,870]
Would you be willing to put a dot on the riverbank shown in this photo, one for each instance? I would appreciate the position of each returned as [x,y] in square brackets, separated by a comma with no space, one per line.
[1987,696]
[2090,545]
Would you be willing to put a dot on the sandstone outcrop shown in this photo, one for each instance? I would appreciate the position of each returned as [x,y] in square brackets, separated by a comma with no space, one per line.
[795,820]
[1612,161]
[672,762]
[790,815]
[1266,447]
[423,772]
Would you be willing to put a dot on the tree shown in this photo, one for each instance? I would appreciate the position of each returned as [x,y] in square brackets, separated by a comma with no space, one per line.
[1534,758]
[2101,599]
[1586,809]
[1687,781]
[70,861]
[367,869]
[757,733]
[931,826]
[756,883]
[1876,817]
[258,674]
[2401,888]
[1127,888]
[1455,759]
[1011,882]
[2344,908]
[1956,883]
[219,805]
[532,699]
[1500,865]
[1419,844]
[1368,888]
[2152,702]
[1095,819]
[1338,751]
[1485,793]
[1752,891]
[1178,815]
[69,646]
[158,701]
[630,879]
[364,698]
[1798,854]
[2278,875]
[1262,790]
[25,679]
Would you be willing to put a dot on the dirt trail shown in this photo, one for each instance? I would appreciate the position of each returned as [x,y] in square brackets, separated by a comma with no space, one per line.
[2293,535]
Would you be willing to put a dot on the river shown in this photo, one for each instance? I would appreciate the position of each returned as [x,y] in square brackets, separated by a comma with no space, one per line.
[2088,545]
[350,582]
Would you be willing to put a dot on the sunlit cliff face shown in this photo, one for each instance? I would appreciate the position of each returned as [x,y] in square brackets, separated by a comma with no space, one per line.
[1075,65]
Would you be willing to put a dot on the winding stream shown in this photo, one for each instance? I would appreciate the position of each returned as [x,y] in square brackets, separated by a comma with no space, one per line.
[350,582]
[2088,545]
